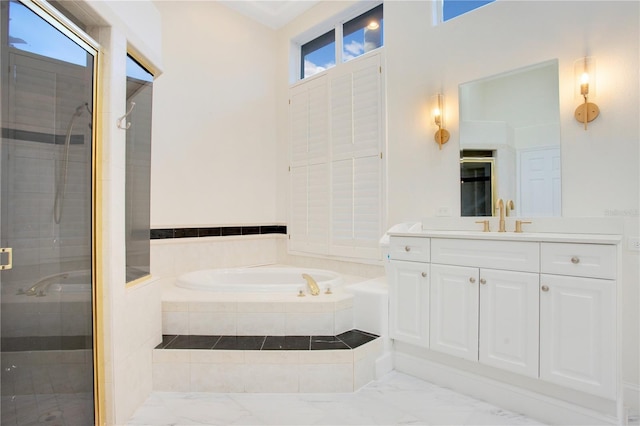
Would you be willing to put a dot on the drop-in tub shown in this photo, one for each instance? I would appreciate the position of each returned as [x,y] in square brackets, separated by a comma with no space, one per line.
[258,280]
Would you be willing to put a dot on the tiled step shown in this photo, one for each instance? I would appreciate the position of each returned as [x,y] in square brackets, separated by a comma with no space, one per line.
[348,340]
[290,364]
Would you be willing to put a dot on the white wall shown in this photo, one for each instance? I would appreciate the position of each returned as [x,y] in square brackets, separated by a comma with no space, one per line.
[423,59]
[214,146]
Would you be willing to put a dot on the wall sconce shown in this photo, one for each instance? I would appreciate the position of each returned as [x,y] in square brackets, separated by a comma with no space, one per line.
[442,135]
[585,78]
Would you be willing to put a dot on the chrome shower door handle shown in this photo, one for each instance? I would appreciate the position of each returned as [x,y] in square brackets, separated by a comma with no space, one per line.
[9,263]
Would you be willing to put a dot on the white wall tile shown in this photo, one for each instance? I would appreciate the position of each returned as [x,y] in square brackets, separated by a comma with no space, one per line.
[171,377]
[212,323]
[274,378]
[313,324]
[331,356]
[209,377]
[175,323]
[343,321]
[217,357]
[326,377]
[260,324]
[273,357]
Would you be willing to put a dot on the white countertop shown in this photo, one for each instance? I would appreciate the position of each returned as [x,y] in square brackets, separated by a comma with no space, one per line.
[512,236]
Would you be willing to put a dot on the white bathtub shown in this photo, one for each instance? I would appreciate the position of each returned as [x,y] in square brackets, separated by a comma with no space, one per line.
[63,282]
[258,280]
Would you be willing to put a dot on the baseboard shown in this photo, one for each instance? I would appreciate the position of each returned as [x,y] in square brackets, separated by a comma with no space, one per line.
[522,401]
[384,364]
[632,398]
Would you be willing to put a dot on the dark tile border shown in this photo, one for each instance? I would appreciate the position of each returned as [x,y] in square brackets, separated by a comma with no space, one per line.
[45,343]
[220,231]
[25,135]
[348,340]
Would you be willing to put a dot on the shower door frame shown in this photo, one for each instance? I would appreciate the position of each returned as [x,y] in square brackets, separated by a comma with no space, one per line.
[63,24]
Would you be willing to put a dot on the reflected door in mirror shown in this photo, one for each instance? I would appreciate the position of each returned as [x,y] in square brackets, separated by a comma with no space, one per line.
[476,186]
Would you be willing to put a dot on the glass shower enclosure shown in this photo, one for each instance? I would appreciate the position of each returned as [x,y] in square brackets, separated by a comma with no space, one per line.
[46,213]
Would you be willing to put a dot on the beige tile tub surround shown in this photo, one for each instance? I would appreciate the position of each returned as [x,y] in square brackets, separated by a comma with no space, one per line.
[245,314]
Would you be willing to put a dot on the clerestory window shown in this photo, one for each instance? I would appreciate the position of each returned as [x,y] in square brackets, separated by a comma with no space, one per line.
[353,38]
[454,8]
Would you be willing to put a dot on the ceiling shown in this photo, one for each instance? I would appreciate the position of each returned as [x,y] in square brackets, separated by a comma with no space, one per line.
[272,13]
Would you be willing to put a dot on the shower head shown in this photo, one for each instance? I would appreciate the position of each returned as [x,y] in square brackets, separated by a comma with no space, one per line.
[80,109]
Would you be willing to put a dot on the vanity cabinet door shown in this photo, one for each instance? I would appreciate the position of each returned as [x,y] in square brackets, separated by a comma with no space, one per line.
[454,310]
[409,302]
[509,320]
[578,333]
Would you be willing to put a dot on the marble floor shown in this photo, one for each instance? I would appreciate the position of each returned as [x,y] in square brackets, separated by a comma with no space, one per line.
[396,399]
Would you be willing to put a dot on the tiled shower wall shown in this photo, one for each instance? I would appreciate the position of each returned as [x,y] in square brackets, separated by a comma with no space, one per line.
[42,247]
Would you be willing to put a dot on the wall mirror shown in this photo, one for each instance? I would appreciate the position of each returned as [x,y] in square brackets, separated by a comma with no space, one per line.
[510,142]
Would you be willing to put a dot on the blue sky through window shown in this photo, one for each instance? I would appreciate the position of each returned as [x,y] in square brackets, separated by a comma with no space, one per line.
[360,35]
[135,70]
[30,33]
[320,60]
[453,8]
[353,44]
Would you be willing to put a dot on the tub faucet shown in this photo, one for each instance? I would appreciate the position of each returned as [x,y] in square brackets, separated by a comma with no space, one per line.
[500,207]
[39,289]
[313,285]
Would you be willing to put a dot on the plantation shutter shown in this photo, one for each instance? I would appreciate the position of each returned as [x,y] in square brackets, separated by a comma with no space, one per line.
[336,166]
[356,166]
[309,175]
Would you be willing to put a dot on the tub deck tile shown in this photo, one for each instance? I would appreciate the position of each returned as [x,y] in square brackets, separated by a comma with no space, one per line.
[246,343]
[286,343]
[348,340]
[193,342]
[327,343]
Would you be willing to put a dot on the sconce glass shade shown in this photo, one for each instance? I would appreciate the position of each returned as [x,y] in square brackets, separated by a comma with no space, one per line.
[585,84]
[437,109]
[437,112]
[585,77]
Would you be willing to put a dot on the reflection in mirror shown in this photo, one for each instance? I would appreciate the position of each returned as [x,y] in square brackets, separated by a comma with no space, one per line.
[512,119]
[477,194]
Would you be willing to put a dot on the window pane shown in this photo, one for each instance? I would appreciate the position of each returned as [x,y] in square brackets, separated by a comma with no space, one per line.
[29,33]
[318,55]
[453,8]
[138,170]
[363,34]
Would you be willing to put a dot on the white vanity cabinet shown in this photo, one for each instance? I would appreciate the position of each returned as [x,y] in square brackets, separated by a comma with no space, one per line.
[454,311]
[541,305]
[408,274]
[483,314]
[578,317]
[509,320]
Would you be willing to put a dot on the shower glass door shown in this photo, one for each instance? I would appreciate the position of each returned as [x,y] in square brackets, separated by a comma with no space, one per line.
[46,342]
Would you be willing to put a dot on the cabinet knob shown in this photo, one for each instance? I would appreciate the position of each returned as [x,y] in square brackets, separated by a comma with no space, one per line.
[483,281]
[407,248]
[575,260]
[545,288]
[472,280]
[424,275]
